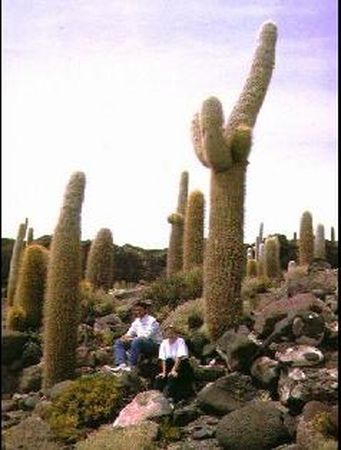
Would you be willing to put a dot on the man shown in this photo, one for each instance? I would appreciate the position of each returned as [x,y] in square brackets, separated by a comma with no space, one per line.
[143,337]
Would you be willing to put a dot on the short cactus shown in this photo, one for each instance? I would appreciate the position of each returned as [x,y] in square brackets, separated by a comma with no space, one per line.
[320,243]
[271,258]
[61,308]
[175,248]
[99,270]
[249,253]
[29,294]
[251,268]
[306,239]
[225,152]
[15,262]
[332,235]
[194,231]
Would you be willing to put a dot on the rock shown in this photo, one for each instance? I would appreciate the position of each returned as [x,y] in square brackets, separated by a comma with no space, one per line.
[279,309]
[12,418]
[85,357]
[257,426]
[189,444]
[203,433]
[308,328]
[226,394]
[9,381]
[237,349]
[332,335]
[136,437]
[9,405]
[183,416]
[12,346]
[109,322]
[197,342]
[58,389]
[208,372]
[31,379]
[31,434]
[299,386]
[315,429]
[146,405]
[300,356]
[265,370]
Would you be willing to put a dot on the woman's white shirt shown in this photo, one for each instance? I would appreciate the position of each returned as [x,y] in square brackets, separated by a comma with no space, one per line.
[176,349]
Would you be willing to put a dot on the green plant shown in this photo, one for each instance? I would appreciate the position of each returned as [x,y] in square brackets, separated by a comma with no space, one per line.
[168,432]
[320,243]
[306,239]
[94,302]
[29,294]
[225,152]
[99,269]
[175,289]
[61,307]
[15,262]
[272,267]
[87,402]
[194,231]
[175,247]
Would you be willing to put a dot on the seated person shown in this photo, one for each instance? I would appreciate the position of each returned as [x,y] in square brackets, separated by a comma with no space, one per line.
[176,378]
[143,337]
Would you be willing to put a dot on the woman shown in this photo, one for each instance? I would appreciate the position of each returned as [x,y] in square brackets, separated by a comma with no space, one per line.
[176,377]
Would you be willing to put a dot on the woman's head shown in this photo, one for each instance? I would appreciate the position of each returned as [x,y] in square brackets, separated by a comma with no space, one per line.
[171,332]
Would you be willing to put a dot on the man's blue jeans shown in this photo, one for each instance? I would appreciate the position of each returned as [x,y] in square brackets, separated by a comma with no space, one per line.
[136,347]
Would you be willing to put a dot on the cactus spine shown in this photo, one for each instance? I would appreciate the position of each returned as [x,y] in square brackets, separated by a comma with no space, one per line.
[61,308]
[320,243]
[29,295]
[194,231]
[175,248]
[225,152]
[99,270]
[271,258]
[306,241]
[15,262]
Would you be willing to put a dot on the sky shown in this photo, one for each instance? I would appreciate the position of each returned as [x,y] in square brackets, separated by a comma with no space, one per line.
[110,87]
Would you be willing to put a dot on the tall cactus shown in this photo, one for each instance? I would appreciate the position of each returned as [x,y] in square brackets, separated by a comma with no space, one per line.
[225,152]
[332,235]
[261,261]
[29,294]
[259,240]
[194,231]
[320,243]
[175,248]
[30,236]
[61,308]
[306,239]
[271,258]
[99,269]
[251,268]
[15,262]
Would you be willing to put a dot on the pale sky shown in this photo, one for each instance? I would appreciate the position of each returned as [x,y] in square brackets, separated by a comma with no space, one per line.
[109,87]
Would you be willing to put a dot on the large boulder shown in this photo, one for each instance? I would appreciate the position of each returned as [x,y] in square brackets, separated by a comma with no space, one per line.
[300,356]
[297,386]
[226,394]
[237,348]
[256,426]
[315,429]
[267,318]
[31,379]
[265,370]
[31,434]
[136,437]
[146,405]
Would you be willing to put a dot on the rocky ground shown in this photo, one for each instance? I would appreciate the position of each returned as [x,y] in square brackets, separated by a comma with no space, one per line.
[271,383]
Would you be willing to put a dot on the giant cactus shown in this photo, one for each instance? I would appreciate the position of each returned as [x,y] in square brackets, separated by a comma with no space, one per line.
[29,295]
[320,243]
[175,248]
[306,239]
[61,308]
[99,269]
[15,262]
[225,151]
[194,231]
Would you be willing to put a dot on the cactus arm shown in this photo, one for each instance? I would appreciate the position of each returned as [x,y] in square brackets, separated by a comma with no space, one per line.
[197,140]
[250,100]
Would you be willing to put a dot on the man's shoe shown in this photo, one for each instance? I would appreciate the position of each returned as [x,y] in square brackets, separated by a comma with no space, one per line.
[120,367]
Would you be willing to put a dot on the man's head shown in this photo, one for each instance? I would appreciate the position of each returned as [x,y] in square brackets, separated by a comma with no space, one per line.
[171,332]
[140,309]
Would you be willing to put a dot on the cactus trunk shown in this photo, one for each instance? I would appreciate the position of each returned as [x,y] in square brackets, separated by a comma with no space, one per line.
[224,257]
